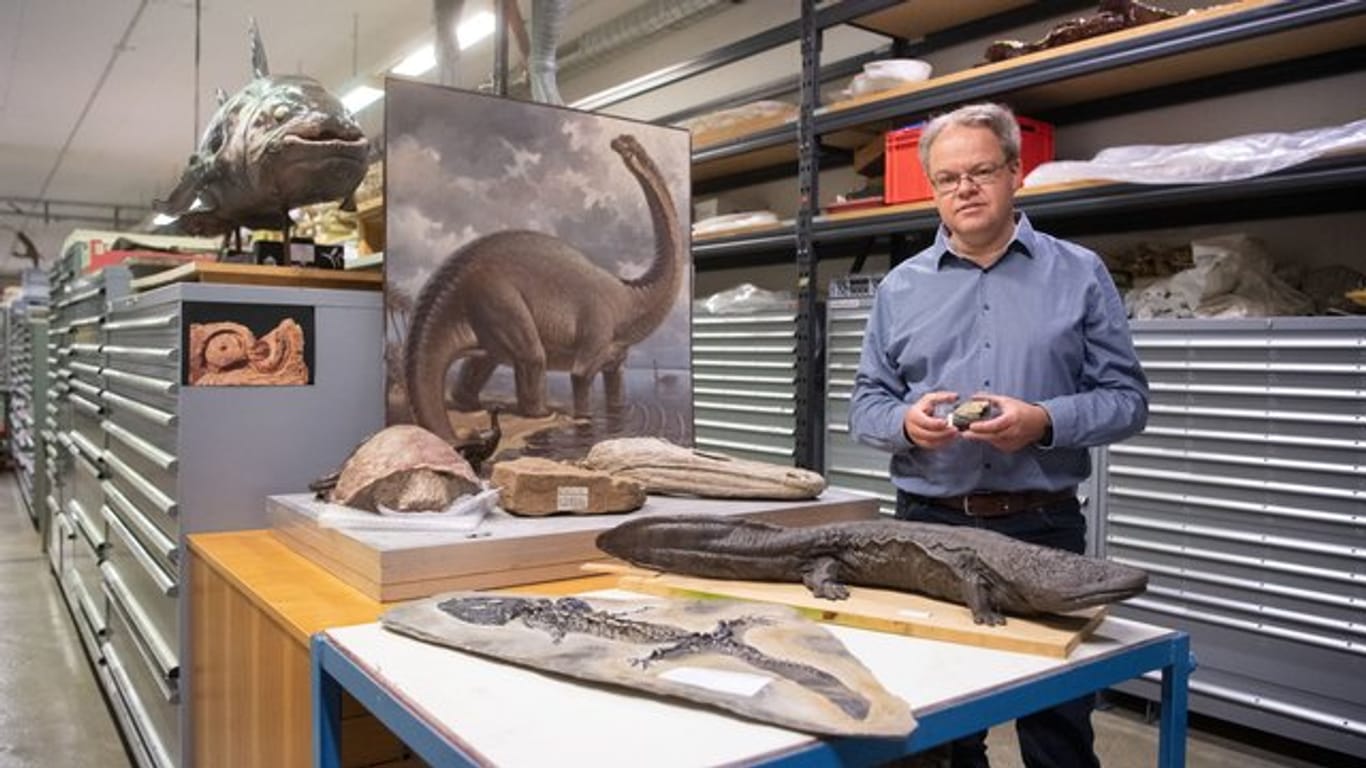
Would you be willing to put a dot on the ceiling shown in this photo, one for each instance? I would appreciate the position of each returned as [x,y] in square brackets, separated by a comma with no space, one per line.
[98,97]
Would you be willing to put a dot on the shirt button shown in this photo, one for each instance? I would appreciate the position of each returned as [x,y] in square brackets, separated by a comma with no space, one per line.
[988,345]
[986,383]
[986,307]
[987,465]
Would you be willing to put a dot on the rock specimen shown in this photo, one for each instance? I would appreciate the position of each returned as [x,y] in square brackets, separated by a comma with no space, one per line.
[992,574]
[403,468]
[228,354]
[535,486]
[805,677]
[968,412]
[1111,16]
[663,467]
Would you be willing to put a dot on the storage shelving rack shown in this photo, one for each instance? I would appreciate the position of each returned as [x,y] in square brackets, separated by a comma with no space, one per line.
[1229,48]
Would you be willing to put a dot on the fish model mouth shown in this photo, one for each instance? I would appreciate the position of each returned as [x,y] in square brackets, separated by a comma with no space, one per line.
[324,137]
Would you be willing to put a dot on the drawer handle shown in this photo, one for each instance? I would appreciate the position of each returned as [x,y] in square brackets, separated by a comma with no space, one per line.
[164,503]
[85,405]
[92,612]
[131,514]
[86,465]
[82,323]
[154,415]
[93,370]
[160,354]
[156,321]
[87,447]
[148,451]
[148,383]
[158,653]
[165,583]
[77,298]
[137,712]
[85,526]
[83,349]
[89,390]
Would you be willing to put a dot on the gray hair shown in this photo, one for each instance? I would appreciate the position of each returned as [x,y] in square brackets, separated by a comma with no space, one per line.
[997,117]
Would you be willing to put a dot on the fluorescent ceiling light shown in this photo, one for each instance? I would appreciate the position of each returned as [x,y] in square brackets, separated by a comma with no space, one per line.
[423,60]
[474,29]
[360,97]
[162,219]
[419,62]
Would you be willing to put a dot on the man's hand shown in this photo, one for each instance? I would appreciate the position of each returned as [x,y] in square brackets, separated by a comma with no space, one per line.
[1017,424]
[924,428]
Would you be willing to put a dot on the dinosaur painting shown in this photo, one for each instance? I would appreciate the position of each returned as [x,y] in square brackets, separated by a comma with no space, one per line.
[530,300]
[544,250]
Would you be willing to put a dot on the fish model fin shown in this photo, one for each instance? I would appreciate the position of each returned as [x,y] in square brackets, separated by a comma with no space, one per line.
[259,67]
[348,203]
[221,96]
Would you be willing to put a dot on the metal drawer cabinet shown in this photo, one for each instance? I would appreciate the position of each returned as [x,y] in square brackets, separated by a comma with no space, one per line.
[744,384]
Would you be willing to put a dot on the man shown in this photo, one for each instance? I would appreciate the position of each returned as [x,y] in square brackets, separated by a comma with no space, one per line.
[996,311]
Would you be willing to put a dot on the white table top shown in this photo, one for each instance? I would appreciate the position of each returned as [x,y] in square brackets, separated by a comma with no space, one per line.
[511,716]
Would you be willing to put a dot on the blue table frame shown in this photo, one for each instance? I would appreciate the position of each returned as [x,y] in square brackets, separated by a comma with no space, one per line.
[1168,654]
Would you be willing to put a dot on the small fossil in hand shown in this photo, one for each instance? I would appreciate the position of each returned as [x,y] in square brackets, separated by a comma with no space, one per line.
[969,411]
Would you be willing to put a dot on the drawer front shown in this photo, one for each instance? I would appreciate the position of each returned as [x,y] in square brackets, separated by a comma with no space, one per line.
[153,715]
[89,524]
[148,486]
[91,609]
[145,594]
[156,391]
[158,330]
[158,361]
[155,541]
[155,425]
[88,372]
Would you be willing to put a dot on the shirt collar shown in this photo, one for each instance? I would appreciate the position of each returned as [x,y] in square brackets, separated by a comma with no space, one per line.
[1024,240]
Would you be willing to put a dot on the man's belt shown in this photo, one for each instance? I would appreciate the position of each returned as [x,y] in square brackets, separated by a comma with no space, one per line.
[998,504]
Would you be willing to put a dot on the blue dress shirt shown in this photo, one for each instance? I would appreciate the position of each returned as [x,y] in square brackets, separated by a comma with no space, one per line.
[1044,324]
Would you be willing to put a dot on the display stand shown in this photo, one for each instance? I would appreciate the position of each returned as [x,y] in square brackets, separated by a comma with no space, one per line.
[453,708]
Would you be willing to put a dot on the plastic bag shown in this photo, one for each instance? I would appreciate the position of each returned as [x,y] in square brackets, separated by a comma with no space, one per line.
[1240,157]
[745,297]
[1233,276]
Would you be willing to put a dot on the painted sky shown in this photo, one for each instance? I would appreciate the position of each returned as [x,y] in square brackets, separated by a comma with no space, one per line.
[462,165]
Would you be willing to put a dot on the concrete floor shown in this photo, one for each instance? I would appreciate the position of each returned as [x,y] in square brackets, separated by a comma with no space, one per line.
[52,713]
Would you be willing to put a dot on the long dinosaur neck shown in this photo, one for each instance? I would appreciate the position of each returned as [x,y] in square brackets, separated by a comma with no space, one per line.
[656,290]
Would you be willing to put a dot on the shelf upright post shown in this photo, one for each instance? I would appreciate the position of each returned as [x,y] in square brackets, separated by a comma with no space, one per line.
[500,49]
[810,405]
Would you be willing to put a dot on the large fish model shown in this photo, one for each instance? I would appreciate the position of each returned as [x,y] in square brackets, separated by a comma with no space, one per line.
[281,142]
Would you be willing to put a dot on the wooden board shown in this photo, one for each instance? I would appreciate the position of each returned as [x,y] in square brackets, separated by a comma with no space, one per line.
[257,274]
[886,611]
[1114,38]
[926,205]
[747,229]
[507,550]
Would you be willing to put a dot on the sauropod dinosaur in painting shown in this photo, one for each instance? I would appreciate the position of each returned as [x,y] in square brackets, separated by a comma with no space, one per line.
[530,300]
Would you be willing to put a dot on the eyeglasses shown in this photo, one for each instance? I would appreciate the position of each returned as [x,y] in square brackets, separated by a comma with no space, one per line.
[944,183]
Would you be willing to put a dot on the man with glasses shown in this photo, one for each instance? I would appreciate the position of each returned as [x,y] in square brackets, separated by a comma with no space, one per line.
[995,311]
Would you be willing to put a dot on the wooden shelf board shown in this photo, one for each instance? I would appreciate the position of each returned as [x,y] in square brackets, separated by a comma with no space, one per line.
[256,274]
[914,20]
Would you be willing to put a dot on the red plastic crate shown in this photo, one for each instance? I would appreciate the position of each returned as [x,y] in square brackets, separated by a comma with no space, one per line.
[905,180]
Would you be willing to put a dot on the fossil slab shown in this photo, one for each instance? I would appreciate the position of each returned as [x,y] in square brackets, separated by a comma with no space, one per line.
[671,469]
[536,486]
[763,662]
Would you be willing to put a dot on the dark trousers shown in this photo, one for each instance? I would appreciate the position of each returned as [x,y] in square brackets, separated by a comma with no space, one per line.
[1060,737]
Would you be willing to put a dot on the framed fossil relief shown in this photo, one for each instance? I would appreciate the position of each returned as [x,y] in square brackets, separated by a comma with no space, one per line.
[537,265]
[246,345]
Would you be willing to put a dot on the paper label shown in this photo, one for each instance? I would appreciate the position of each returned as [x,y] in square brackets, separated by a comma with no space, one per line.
[733,683]
[914,614]
[571,498]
